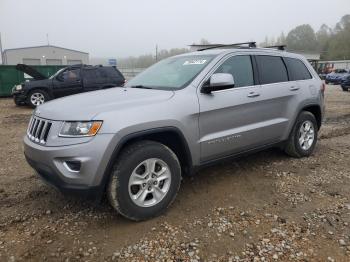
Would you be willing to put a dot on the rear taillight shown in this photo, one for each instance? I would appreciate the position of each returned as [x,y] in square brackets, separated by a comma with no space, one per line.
[124,82]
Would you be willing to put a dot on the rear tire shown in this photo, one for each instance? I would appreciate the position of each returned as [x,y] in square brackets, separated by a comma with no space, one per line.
[345,89]
[303,138]
[144,181]
[37,97]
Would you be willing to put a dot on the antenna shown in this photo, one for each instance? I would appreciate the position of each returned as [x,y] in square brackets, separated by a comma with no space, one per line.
[47,38]
[1,54]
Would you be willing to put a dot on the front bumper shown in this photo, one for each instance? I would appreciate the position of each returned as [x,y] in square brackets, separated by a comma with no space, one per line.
[345,83]
[51,165]
[19,96]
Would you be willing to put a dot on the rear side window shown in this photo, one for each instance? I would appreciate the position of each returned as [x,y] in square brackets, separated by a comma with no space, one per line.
[113,72]
[271,69]
[297,69]
[101,73]
[240,67]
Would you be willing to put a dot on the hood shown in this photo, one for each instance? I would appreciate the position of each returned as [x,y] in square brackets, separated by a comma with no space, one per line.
[87,105]
[30,71]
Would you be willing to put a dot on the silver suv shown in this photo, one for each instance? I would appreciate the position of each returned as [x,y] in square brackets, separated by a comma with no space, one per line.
[134,143]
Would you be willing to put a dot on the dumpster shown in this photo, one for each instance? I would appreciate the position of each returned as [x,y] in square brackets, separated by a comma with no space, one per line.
[10,76]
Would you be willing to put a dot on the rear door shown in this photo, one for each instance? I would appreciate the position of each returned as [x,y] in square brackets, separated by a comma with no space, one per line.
[68,83]
[279,96]
[229,119]
[298,72]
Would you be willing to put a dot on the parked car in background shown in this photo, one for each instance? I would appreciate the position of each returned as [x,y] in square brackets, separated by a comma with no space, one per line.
[336,76]
[345,83]
[184,112]
[66,81]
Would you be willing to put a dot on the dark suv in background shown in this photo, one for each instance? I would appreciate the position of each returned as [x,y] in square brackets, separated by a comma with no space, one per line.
[67,81]
[345,82]
[336,76]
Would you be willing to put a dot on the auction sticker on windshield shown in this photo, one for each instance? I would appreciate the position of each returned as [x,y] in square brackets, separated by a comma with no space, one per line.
[195,62]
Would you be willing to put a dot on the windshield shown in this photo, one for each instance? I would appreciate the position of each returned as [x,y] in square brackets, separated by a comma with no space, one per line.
[171,73]
[57,73]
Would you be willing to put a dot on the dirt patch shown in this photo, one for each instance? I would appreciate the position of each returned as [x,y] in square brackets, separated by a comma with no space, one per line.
[262,207]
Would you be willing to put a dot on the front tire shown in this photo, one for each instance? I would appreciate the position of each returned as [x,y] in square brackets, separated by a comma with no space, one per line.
[37,97]
[302,140]
[345,89]
[144,181]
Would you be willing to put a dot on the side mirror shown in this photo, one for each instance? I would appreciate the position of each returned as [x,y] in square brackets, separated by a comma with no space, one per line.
[219,81]
[59,78]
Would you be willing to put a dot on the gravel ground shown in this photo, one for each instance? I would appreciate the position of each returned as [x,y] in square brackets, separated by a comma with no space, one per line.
[264,207]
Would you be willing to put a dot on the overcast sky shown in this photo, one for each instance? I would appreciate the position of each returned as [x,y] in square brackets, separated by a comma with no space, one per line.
[113,28]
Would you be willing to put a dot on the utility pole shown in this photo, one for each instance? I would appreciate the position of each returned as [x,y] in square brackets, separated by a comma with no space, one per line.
[1,54]
[156,53]
[47,38]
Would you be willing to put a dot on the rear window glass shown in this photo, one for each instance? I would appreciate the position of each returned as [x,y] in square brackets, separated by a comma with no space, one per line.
[113,72]
[297,69]
[271,69]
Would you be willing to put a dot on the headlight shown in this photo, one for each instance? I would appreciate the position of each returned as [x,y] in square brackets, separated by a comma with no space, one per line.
[79,129]
[18,87]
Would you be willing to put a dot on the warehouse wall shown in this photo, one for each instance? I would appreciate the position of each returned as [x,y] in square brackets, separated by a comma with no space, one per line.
[44,55]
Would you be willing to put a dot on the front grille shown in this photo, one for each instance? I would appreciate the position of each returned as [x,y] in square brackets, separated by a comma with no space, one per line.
[38,130]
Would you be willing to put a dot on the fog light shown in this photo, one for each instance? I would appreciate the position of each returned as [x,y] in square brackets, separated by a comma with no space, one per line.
[73,166]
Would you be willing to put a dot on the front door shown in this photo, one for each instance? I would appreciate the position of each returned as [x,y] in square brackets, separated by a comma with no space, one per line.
[67,83]
[230,120]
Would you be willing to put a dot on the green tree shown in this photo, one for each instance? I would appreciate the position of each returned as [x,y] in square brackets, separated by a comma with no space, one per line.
[339,47]
[302,38]
[281,40]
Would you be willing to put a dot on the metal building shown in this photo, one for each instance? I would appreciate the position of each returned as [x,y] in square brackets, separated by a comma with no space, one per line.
[44,55]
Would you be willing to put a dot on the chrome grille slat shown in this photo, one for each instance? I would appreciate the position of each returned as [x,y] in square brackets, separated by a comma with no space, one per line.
[41,138]
[38,129]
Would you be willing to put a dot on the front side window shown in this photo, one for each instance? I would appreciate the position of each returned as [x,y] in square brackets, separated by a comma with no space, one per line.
[297,69]
[271,69]
[240,67]
[71,75]
[171,73]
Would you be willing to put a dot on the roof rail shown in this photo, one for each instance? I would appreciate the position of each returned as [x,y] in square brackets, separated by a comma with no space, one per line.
[213,46]
[279,47]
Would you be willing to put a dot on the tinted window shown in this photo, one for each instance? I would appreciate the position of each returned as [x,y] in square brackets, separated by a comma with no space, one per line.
[297,69]
[113,72]
[240,67]
[271,69]
[101,73]
[90,74]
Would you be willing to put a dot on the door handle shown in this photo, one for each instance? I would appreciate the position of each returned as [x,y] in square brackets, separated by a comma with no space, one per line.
[253,94]
[294,88]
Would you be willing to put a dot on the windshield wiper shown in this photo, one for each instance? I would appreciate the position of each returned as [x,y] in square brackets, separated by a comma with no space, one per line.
[141,86]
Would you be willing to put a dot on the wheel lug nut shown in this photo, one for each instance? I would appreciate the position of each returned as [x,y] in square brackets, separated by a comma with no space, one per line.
[144,184]
[149,188]
[155,183]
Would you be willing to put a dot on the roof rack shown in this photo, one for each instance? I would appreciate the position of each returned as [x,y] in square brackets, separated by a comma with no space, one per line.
[279,47]
[213,46]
